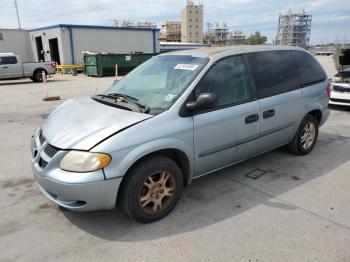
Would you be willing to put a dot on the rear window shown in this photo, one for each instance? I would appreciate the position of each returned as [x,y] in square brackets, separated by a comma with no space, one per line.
[309,69]
[6,60]
[274,72]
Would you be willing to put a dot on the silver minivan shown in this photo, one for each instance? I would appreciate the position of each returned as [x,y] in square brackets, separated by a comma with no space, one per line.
[175,118]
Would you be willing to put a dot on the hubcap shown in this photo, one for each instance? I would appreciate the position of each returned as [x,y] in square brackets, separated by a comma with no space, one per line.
[157,192]
[308,135]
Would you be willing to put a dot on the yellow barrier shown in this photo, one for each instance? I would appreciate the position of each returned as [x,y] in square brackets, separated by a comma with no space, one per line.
[62,68]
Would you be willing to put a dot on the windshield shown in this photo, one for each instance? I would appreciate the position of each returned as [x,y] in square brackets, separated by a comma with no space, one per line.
[158,82]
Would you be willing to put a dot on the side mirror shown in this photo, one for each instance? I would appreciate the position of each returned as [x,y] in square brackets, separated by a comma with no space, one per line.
[204,101]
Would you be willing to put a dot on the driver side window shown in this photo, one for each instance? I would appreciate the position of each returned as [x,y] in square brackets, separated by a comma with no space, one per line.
[228,80]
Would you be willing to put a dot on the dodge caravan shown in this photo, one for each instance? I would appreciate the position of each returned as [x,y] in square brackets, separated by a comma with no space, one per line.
[177,117]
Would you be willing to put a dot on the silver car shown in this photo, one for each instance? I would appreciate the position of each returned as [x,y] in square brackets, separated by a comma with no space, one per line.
[175,118]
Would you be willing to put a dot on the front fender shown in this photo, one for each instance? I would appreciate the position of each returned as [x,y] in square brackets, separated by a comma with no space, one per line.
[120,165]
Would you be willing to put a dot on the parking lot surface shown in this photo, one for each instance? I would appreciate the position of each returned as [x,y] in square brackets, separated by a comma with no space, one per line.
[298,210]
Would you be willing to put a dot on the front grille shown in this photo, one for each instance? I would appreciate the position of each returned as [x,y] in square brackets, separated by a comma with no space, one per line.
[41,137]
[340,100]
[341,89]
[50,150]
[42,163]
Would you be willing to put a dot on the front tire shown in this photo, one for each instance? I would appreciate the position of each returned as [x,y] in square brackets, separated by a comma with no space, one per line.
[305,137]
[151,189]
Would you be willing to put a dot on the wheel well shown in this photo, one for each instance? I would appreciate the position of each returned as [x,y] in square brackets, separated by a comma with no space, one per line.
[317,114]
[176,155]
[40,70]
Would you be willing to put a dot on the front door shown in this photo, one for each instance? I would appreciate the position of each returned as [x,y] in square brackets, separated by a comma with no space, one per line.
[10,67]
[227,133]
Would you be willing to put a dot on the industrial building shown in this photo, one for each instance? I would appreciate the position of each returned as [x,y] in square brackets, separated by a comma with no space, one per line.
[294,29]
[65,44]
[192,23]
[238,37]
[170,31]
[16,41]
[218,34]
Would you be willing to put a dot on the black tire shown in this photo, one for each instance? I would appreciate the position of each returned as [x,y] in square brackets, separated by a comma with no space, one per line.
[297,147]
[135,184]
[37,75]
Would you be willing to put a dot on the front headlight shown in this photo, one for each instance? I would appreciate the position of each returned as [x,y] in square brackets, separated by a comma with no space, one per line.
[80,161]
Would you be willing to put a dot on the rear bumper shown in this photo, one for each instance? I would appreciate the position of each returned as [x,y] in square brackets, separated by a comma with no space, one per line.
[339,102]
[340,97]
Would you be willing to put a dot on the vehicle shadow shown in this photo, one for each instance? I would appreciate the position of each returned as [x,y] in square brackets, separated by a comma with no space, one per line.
[224,194]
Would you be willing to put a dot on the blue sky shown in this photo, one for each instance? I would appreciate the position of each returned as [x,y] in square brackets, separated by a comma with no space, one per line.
[330,23]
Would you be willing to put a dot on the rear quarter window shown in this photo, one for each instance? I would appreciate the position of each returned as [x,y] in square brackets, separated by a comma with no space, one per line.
[274,72]
[310,71]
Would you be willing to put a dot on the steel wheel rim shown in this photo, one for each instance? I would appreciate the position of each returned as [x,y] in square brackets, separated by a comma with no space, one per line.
[157,192]
[308,135]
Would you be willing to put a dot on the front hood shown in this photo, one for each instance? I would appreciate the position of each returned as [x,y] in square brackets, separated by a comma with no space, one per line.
[82,123]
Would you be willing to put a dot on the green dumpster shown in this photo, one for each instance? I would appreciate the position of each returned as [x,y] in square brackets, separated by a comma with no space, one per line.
[104,64]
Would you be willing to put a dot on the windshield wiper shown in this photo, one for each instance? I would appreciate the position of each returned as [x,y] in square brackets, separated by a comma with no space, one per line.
[128,99]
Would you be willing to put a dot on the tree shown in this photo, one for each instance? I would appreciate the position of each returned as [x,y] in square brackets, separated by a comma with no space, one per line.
[256,39]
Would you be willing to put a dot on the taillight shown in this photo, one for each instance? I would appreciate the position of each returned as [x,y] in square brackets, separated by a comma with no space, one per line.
[53,65]
[329,89]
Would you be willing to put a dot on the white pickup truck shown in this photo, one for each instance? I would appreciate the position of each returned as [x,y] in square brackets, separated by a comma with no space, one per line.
[11,67]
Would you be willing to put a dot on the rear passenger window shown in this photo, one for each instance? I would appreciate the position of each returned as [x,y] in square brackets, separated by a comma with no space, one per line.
[309,70]
[6,60]
[274,72]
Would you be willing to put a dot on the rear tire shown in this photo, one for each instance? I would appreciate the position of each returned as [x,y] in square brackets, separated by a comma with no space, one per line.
[151,189]
[305,137]
[37,75]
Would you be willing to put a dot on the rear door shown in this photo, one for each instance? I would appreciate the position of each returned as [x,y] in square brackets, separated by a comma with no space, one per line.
[281,99]
[227,133]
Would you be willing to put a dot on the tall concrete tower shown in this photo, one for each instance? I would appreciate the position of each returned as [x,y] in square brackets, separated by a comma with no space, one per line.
[192,23]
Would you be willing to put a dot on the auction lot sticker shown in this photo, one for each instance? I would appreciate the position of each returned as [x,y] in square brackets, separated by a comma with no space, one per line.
[186,67]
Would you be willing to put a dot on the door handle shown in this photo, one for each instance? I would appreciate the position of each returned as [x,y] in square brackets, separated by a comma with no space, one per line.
[5,67]
[269,113]
[251,118]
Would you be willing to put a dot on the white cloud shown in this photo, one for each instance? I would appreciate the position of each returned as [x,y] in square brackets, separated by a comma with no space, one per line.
[248,15]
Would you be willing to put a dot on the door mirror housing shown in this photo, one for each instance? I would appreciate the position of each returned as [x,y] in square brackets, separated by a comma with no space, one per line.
[204,101]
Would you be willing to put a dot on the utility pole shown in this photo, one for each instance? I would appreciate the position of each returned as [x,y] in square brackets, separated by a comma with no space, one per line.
[19,24]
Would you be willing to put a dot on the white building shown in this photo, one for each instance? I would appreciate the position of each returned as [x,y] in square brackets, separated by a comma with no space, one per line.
[16,41]
[65,43]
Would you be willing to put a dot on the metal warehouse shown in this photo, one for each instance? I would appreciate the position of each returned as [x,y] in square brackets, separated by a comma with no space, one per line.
[65,43]
[16,41]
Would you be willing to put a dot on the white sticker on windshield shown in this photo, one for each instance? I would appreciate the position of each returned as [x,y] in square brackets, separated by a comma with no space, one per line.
[186,67]
[169,97]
